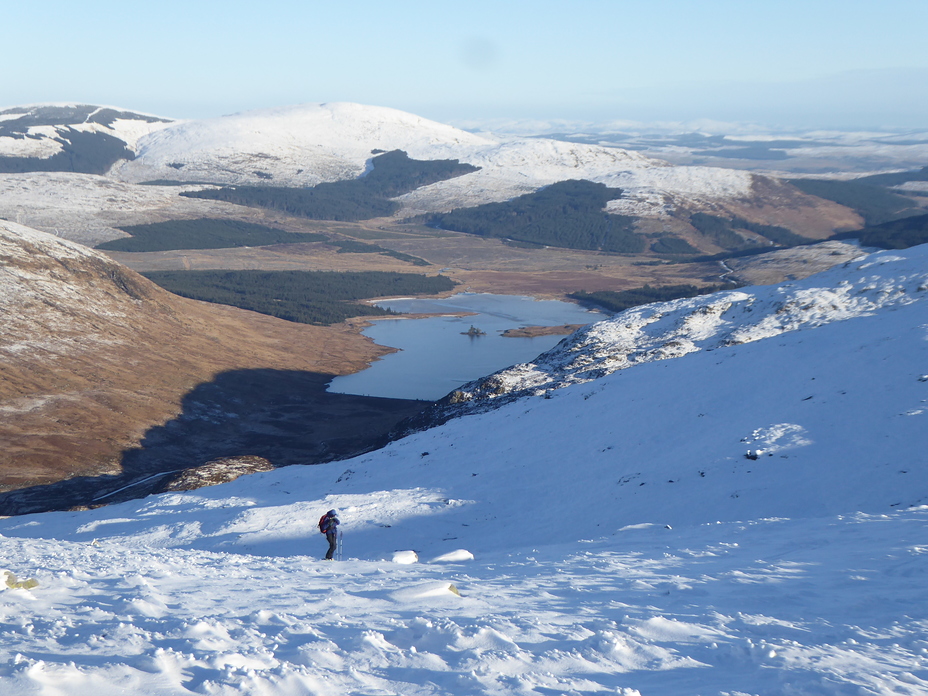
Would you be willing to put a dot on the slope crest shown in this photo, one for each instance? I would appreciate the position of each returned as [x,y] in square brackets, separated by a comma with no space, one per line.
[672,329]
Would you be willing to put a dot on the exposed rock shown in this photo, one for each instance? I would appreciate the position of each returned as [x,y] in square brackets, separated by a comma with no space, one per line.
[216,472]
[666,330]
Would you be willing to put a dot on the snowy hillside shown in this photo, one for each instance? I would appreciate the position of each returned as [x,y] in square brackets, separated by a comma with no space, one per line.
[611,538]
[304,145]
[672,329]
[290,146]
[307,144]
[38,125]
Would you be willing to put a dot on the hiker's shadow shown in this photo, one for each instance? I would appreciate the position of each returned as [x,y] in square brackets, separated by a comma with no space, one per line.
[284,416]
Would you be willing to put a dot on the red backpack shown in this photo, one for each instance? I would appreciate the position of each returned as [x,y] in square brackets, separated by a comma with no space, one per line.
[322,523]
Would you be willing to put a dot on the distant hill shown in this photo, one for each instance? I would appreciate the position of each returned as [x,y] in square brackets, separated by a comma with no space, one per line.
[896,234]
[69,138]
[873,201]
[894,179]
[320,160]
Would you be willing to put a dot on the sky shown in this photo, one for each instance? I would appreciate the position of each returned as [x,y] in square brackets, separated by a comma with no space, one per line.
[793,63]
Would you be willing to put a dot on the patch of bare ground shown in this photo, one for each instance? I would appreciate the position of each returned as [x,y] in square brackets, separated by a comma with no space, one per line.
[316,256]
[558,284]
[215,472]
[779,203]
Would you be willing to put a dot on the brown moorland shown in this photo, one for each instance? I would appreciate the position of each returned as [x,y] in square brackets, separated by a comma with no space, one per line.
[106,378]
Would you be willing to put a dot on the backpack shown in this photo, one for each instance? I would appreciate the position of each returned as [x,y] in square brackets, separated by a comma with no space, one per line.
[322,523]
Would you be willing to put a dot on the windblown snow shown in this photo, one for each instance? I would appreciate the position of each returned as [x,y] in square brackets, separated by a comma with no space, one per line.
[747,515]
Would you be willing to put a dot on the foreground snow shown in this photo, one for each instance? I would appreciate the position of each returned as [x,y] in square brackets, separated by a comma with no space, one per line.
[622,542]
[823,606]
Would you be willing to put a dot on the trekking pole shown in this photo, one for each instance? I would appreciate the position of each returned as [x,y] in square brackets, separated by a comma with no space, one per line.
[338,552]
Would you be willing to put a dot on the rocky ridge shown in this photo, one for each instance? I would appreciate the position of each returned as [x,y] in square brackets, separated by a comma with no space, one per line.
[668,330]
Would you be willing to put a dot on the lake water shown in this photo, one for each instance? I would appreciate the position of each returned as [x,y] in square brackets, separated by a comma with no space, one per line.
[435,358]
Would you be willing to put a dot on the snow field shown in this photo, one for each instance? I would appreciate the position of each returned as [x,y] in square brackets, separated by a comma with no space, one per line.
[833,605]
[745,518]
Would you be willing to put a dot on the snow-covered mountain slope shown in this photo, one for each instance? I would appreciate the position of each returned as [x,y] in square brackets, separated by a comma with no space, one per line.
[748,519]
[290,146]
[673,329]
[88,208]
[308,144]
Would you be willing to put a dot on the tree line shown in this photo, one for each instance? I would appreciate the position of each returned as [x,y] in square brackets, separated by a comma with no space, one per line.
[308,297]
[896,234]
[392,174]
[567,214]
[722,231]
[619,300]
[204,233]
[873,202]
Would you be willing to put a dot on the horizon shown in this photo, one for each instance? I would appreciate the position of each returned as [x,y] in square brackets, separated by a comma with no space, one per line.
[789,67]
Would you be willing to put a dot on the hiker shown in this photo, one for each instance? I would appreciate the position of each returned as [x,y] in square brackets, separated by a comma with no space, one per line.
[328,525]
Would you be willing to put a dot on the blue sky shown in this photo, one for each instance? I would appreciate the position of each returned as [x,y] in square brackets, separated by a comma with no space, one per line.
[814,63]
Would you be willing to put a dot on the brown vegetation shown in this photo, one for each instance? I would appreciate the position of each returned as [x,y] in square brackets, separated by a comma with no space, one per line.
[98,358]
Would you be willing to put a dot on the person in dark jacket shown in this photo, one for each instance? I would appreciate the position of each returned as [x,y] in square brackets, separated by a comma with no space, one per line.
[328,525]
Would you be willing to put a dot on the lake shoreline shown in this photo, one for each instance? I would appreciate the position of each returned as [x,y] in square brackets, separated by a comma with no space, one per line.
[429,359]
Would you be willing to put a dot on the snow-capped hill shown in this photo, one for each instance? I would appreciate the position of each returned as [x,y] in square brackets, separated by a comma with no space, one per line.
[650,187]
[312,143]
[290,146]
[299,146]
[513,167]
[70,137]
[673,329]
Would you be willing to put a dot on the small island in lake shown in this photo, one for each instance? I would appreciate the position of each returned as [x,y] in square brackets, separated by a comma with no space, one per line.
[532,331]
[473,331]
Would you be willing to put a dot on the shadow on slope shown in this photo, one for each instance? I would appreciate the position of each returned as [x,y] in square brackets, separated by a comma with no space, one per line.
[284,416]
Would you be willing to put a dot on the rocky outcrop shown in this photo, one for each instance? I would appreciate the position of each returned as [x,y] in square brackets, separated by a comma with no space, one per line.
[667,330]
[215,472]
